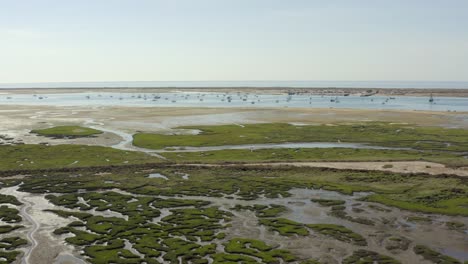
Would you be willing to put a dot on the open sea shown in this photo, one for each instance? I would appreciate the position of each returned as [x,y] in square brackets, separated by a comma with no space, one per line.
[211,84]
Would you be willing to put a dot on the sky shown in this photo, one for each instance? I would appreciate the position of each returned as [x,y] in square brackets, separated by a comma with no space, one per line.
[201,40]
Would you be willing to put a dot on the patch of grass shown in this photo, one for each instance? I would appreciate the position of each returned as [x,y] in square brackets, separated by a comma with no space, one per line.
[29,157]
[8,256]
[339,232]
[10,243]
[285,226]
[67,132]
[224,258]
[9,215]
[259,249]
[339,212]
[450,206]
[419,219]
[9,199]
[8,228]
[379,208]
[288,227]
[385,134]
[420,193]
[271,210]
[397,243]
[434,256]
[327,202]
[314,154]
[456,225]
[362,256]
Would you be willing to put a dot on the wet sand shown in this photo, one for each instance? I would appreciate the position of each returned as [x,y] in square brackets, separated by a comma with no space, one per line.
[122,122]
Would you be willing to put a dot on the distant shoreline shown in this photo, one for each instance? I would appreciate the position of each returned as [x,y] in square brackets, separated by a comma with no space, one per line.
[326,91]
[279,84]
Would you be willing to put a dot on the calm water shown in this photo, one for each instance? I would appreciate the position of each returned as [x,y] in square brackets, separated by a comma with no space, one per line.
[209,99]
[280,145]
[319,84]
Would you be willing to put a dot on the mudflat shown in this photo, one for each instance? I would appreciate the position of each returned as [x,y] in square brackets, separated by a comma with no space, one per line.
[229,185]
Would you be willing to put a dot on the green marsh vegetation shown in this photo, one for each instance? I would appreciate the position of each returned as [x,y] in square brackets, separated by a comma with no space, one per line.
[397,243]
[314,154]
[362,256]
[455,225]
[189,232]
[434,256]
[271,210]
[288,227]
[153,216]
[30,157]
[67,132]
[328,202]
[8,243]
[374,133]
[193,228]
[433,144]
[419,193]
[259,249]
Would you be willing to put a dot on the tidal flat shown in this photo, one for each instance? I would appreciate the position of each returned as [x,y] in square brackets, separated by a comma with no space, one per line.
[247,215]
[120,184]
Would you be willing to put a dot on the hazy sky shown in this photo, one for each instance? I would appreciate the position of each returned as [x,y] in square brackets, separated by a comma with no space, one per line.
[177,40]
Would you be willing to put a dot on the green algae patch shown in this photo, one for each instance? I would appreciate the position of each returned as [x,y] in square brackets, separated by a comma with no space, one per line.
[67,132]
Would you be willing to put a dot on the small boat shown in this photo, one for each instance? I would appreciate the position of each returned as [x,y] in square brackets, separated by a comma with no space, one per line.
[431,99]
